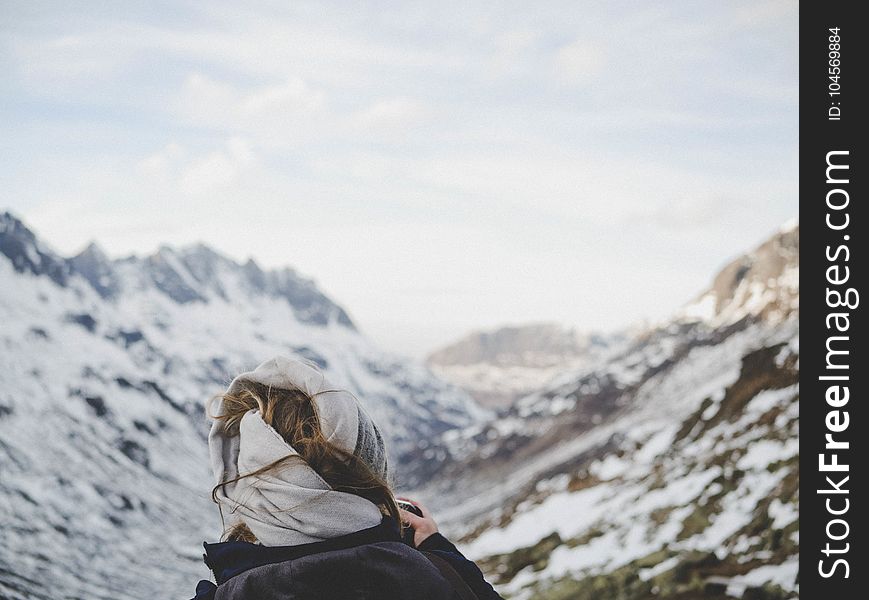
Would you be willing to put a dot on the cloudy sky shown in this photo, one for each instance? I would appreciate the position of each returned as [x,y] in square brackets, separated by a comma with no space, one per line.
[434,167]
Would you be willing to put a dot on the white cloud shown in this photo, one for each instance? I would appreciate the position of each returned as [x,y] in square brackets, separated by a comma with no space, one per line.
[206,101]
[175,170]
[392,113]
[218,169]
[163,164]
[209,102]
[294,96]
[580,61]
[514,53]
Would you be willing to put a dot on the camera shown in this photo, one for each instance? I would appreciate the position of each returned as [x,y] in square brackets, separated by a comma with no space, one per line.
[408,532]
[409,507]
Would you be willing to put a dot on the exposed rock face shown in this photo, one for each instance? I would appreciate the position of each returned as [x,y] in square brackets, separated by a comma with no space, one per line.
[762,283]
[26,254]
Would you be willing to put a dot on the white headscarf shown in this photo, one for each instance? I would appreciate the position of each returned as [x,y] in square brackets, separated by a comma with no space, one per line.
[291,504]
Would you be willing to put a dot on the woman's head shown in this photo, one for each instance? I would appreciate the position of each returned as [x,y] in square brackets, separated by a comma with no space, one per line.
[326,449]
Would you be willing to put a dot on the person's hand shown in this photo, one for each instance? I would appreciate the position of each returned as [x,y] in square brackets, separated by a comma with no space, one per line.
[422,526]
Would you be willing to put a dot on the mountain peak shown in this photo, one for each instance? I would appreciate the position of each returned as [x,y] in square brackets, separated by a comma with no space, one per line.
[95,251]
[513,344]
[195,273]
[762,283]
[27,254]
[96,267]
[790,225]
[497,366]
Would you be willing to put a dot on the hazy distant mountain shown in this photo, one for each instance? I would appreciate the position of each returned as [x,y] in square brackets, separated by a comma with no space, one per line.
[669,470]
[498,366]
[104,371]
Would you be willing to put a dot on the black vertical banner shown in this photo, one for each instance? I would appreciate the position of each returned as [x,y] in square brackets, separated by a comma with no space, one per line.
[834,432]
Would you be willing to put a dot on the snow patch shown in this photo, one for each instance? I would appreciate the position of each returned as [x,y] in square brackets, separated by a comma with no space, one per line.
[783,514]
[783,575]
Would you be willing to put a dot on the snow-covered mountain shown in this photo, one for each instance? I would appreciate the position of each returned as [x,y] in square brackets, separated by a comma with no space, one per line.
[499,366]
[104,370]
[670,470]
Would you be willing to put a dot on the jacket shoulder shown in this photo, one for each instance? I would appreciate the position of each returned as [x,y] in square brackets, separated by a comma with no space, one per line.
[381,571]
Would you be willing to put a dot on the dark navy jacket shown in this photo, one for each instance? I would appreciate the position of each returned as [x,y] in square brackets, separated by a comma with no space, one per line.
[370,564]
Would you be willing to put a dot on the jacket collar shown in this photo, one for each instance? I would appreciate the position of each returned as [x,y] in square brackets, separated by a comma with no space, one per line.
[228,559]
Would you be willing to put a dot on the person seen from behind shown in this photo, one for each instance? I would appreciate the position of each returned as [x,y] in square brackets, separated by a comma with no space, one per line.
[303,490]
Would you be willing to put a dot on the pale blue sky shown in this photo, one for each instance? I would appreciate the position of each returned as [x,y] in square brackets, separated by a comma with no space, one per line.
[434,166]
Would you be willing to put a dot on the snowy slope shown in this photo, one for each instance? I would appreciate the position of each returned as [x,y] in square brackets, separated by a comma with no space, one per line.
[104,370]
[669,471]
